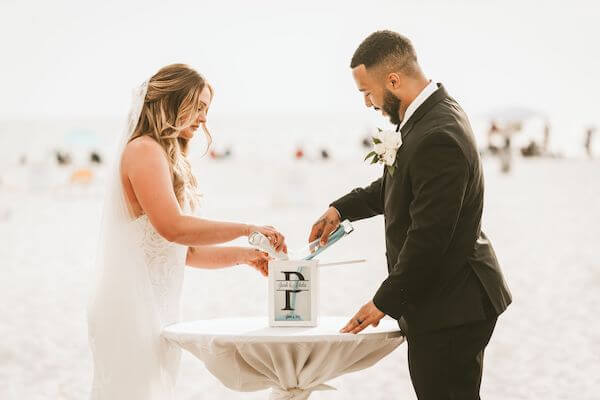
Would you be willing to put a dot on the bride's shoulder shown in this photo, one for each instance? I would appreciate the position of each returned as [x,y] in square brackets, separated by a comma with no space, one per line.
[143,148]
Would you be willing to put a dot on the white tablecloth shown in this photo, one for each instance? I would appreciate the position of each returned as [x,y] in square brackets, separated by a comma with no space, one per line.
[245,354]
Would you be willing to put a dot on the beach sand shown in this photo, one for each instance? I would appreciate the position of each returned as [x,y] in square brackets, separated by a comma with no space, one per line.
[543,220]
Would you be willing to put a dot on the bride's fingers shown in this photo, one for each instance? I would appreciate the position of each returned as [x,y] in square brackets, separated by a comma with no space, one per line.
[260,270]
[257,267]
[269,230]
[262,267]
[282,247]
[277,240]
[260,262]
[260,255]
[281,237]
[272,238]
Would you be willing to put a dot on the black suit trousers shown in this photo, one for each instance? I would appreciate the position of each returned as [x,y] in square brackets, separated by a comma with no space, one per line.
[447,364]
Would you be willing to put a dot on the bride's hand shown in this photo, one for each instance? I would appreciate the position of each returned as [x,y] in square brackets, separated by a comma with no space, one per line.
[275,237]
[257,259]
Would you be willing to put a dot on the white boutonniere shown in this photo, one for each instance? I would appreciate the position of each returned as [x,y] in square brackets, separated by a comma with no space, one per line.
[385,146]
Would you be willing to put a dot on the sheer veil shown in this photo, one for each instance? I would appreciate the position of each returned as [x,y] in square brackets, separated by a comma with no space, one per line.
[123,319]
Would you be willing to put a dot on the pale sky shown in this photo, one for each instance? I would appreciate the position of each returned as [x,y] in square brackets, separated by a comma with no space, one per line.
[65,59]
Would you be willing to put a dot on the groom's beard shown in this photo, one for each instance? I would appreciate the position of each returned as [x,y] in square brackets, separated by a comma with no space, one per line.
[391,106]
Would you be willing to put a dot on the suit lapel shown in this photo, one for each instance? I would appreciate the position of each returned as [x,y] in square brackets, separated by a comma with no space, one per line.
[437,96]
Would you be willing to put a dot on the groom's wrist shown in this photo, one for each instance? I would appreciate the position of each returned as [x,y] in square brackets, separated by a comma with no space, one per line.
[337,212]
[338,207]
[390,300]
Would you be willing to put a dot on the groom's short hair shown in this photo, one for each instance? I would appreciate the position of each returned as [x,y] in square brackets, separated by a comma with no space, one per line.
[386,48]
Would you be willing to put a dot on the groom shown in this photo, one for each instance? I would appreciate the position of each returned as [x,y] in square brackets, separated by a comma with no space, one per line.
[445,286]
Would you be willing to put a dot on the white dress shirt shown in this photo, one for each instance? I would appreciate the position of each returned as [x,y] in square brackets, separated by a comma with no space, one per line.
[420,99]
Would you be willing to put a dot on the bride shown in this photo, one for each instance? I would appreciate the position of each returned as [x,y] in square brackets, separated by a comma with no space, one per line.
[149,234]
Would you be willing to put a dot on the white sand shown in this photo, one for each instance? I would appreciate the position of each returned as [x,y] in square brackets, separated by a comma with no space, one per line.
[543,220]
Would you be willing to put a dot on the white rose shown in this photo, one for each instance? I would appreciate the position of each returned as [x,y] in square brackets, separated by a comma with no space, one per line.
[389,157]
[391,140]
[379,148]
[378,135]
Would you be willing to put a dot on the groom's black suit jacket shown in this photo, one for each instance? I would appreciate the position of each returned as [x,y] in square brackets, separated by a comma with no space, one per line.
[437,255]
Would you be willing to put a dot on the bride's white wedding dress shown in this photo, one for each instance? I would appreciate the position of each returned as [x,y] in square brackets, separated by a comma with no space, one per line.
[135,293]
[166,263]
[119,371]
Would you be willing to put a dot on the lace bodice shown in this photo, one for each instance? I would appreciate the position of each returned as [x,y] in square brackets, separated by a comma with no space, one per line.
[166,264]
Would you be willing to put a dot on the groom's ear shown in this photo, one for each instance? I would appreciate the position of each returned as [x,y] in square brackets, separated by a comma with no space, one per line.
[392,81]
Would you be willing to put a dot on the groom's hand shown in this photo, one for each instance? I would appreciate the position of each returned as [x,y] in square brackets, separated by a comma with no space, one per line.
[368,314]
[324,226]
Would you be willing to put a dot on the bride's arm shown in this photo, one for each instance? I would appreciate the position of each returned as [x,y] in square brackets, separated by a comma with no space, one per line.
[212,257]
[148,170]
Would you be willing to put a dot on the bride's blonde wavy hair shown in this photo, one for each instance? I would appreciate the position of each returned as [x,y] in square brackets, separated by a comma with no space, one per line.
[169,107]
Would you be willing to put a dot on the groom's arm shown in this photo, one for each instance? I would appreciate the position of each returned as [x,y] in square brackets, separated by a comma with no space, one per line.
[439,174]
[361,202]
